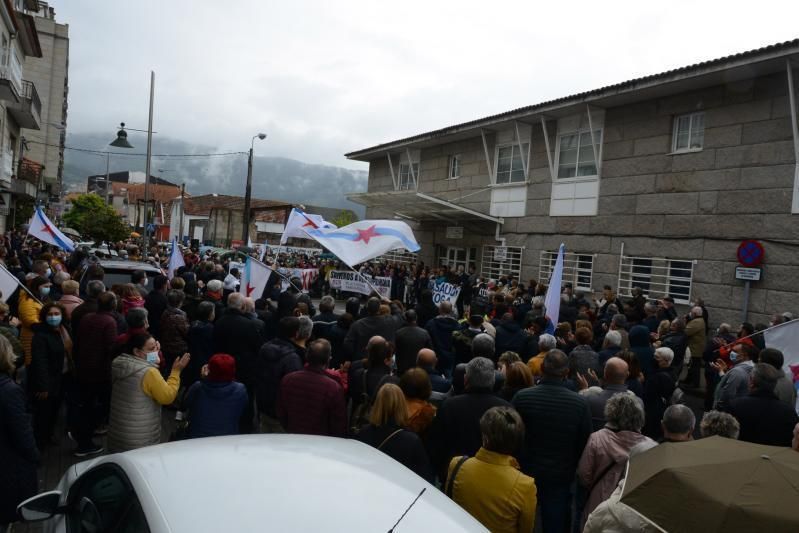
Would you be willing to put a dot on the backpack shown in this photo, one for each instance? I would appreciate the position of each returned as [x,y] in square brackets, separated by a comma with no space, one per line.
[361,412]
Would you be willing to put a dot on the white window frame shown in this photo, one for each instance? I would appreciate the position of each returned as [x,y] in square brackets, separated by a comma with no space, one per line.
[398,257]
[454,167]
[491,269]
[661,278]
[691,132]
[404,173]
[596,151]
[525,148]
[578,269]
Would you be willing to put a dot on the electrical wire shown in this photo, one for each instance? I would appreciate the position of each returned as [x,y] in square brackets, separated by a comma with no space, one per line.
[128,154]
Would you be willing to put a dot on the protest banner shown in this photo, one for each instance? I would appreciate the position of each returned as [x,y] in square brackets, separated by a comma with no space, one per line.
[445,292]
[347,281]
[275,250]
[306,275]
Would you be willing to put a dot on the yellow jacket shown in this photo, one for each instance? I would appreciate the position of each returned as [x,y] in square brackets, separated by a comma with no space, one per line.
[535,363]
[490,487]
[28,315]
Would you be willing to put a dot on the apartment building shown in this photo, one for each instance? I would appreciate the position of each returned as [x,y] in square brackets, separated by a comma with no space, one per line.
[20,105]
[49,73]
[652,182]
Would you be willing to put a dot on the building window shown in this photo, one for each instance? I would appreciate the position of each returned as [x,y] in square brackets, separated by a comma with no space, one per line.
[578,269]
[576,154]
[455,167]
[657,277]
[406,179]
[500,261]
[680,274]
[642,274]
[510,168]
[689,132]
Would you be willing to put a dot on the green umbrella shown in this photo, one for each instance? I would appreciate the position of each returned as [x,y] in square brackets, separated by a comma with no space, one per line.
[715,484]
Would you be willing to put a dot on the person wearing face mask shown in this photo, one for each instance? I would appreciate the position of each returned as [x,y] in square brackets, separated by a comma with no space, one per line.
[29,309]
[137,393]
[735,382]
[51,354]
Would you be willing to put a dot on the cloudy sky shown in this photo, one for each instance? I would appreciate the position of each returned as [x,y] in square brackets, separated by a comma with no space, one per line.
[323,78]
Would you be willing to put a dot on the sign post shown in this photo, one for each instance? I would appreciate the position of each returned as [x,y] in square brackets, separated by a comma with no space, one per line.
[750,256]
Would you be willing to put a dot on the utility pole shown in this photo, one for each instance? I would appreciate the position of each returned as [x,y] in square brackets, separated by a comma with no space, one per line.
[146,240]
[247,199]
[182,210]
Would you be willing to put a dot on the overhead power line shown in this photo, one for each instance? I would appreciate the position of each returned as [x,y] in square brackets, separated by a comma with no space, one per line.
[129,154]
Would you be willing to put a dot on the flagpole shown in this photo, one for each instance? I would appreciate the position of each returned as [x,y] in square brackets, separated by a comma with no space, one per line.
[26,289]
[364,279]
[736,341]
[276,271]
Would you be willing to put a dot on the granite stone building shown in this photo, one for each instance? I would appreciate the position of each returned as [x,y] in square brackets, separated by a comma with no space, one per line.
[652,182]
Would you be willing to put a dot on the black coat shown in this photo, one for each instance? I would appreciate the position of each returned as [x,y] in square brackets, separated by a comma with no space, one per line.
[275,359]
[456,428]
[156,304]
[47,360]
[201,348]
[408,341]
[366,328]
[510,338]
[440,329]
[764,419]
[18,453]
[405,447]
[658,388]
[239,336]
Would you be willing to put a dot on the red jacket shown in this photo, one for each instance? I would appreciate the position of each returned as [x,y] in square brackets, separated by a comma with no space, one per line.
[97,336]
[311,402]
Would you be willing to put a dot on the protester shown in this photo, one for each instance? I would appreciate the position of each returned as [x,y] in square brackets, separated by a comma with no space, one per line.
[719,423]
[517,377]
[558,423]
[416,386]
[614,382]
[156,303]
[658,390]
[69,299]
[174,328]
[695,328]
[137,393]
[546,343]
[201,342]
[764,418]
[370,326]
[441,329]
[462,339]
[409,340]
[386,432]
[604,457]
[678,424]
[51,351]
[19,455]
[215,404]
[30,311]
[490,486]
[367,375]
[611,346]
[735,381]
[784,389]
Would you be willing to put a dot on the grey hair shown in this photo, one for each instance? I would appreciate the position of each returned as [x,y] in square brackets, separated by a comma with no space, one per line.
[235,300]
[724,328]
[619,320]
[60,277]
[214,285]
[6,356]
[483,345]
[327,303]
[249,305]
[546,342]
[613,338]
[679,324]
[667,354]
[538,301]
[306,327]
[679,419]
[624,413]
[136,317]
[721,424]
[480,373]
[765,377]
[650,307]
[95,288]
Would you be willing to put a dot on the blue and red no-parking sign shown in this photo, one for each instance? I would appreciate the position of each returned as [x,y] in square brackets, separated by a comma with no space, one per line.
[751,253]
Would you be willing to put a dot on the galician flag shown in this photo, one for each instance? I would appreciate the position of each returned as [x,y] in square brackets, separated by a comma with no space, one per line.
[44,230]
[254,278]
[8,284]
[299,221]
[175,259]
[366,239]
[785,338]
[552,300]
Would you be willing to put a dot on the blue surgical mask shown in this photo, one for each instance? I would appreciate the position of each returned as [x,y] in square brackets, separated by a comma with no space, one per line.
[733,356]
[49,272]
[152,358]
[44,291]
[54,320]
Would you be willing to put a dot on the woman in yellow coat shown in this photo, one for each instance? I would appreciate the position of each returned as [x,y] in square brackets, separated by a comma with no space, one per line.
[29,309]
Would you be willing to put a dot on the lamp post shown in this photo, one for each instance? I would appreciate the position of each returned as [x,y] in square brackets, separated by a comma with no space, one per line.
[120,142]
[248,190]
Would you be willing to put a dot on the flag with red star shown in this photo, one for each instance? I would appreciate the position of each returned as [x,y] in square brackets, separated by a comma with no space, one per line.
[254,278]
[299,221]
[365,239]
[44,230]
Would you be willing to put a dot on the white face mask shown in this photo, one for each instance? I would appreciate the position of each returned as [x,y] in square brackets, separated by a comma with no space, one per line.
[152,358]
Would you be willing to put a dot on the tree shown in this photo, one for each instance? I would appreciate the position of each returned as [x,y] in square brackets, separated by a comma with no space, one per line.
[93,218]
[345,217]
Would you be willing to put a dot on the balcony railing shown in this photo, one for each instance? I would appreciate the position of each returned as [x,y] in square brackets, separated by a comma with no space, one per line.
[29,93]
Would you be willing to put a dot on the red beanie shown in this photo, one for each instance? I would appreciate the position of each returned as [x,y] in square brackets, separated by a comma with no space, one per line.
[221,367]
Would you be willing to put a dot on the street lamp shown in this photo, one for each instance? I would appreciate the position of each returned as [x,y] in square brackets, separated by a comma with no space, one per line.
[120,142]
[248,190]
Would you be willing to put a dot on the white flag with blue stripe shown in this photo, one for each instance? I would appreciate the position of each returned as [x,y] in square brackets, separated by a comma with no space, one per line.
[365,239]
[44,230]
[552,300]
[175,259]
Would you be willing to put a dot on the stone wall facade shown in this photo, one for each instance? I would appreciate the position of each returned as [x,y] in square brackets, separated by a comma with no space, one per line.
[695,206]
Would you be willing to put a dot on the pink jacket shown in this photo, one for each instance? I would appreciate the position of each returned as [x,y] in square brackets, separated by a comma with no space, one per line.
[605,448]
[70,302]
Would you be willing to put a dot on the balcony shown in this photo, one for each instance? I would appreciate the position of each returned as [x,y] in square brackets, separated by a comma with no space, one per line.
[27,113]
[11,80]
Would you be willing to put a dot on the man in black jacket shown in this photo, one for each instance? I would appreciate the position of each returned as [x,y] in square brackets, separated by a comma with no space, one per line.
[372,325]
[510,336]
[456,428]
[763,417]
[278,357]
[237,334]
[409,341]
[558,424]
[155,303]
[441,329]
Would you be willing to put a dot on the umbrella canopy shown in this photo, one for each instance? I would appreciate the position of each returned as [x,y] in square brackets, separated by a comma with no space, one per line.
[715,484]
[70,231]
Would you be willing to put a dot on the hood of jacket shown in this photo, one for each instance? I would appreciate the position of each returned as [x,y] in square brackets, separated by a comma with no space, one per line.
[639,336]
[127,365]
[510,326]
[280,348]
[445,323]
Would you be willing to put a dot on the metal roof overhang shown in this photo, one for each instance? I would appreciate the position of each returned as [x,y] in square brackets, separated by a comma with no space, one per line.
[418,206]
[693,78]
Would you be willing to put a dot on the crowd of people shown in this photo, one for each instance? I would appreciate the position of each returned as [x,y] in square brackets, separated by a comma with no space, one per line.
[512,420]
